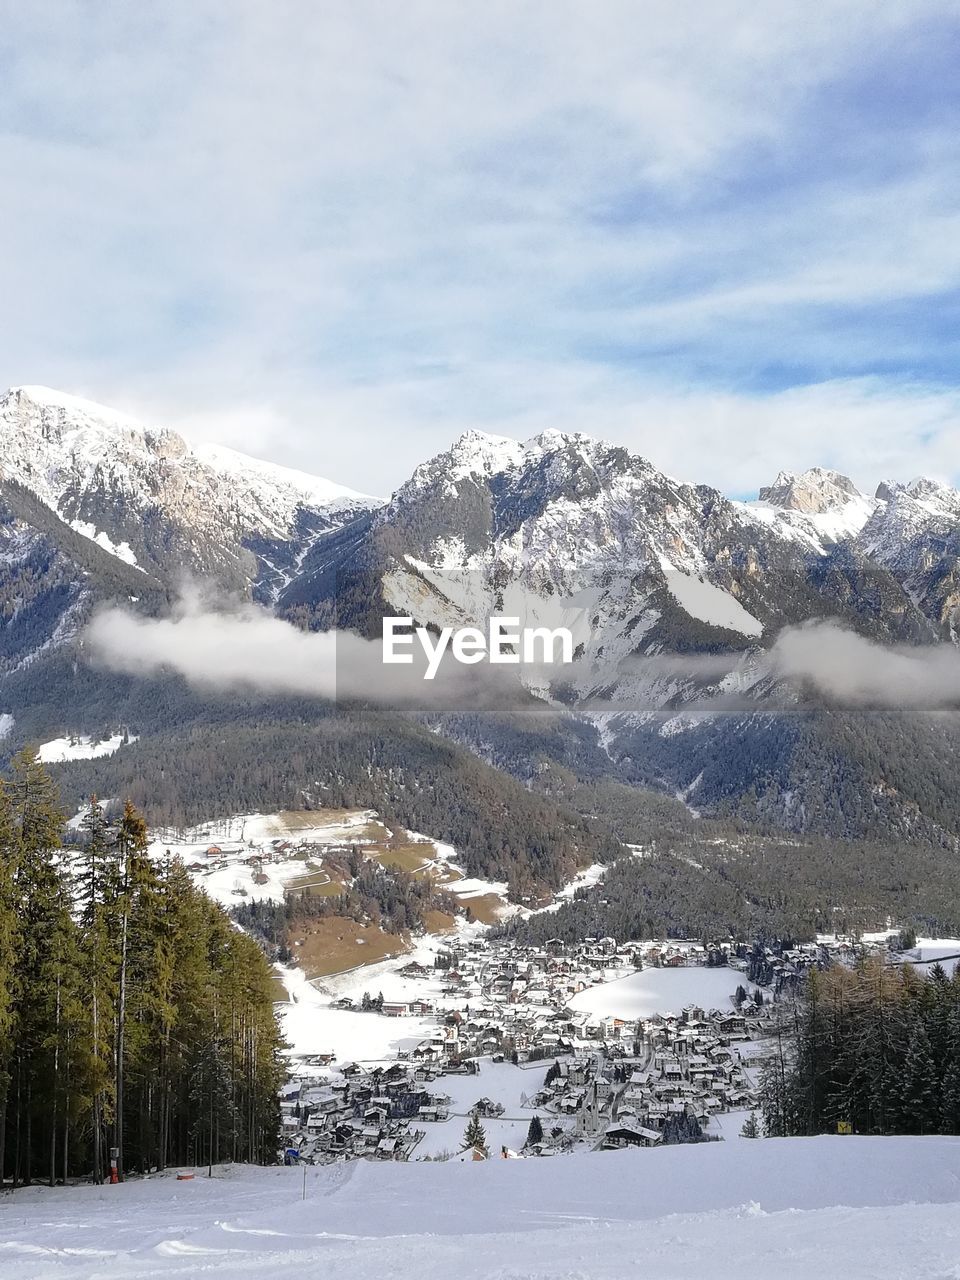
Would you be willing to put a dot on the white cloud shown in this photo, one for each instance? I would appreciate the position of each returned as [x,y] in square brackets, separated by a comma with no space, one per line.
[335,235]
[845,666]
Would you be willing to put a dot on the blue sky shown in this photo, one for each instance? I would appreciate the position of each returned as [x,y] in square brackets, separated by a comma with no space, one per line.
[337,235]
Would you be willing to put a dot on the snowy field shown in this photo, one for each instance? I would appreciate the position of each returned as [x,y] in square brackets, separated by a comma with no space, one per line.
[311,1025]
[641,995]
[931,951]
[789,1209]
[500,1082]
[79,747]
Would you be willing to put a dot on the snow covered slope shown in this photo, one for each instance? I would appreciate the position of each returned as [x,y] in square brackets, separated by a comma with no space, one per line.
[80,747]
[146,496]
[855,1208]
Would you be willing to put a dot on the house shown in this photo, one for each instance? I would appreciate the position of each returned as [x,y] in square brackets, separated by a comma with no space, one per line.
[624,1135]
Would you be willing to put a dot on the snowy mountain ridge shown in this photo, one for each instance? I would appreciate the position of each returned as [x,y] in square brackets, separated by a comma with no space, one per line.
[565,524]
[76,455]
[674,592]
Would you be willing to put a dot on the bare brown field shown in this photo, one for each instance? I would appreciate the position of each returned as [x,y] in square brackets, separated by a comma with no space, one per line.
[486,907]
[437,922]
[412,858]
[332,945]
[301,819]
[316,882]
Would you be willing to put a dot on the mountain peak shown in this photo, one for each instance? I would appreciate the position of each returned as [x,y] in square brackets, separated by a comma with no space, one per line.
[148,497]
[552,439]
[923,493]
[813,491]
[50,397]
[473,455]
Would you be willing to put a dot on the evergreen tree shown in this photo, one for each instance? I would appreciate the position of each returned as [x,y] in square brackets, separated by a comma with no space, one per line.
[131,1010]
[534,1132]
[876,1048]
[475,1136]
[919,1086]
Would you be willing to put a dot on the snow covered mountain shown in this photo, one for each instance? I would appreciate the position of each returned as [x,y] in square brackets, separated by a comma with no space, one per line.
[564,526]
[147,497]
[674,592]
[675,595]
[94,505]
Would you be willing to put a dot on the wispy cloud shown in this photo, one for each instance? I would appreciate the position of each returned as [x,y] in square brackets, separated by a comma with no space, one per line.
[849,668]
[234,646]
[291,226]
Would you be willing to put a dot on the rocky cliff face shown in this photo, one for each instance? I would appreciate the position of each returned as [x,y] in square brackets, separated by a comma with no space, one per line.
[568,525]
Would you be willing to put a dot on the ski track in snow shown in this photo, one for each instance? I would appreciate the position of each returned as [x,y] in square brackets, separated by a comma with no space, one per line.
[789,1208]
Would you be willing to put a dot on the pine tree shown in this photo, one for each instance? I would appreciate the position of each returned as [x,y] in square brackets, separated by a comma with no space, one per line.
[129,1004]
[919,1083]
[97,897]
[475,1136]
[45,935]
[750,1127]
[534,1132]
[135,879]
[9,941]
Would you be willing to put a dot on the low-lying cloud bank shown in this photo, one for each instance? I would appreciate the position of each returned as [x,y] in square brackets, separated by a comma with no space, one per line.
[246,647]
[846,666]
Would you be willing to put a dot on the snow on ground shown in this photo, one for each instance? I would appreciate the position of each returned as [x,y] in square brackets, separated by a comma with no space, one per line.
[931,951]
[848,1207]
[122,550]
[701,599]
[727,1124]
[260,828]
[641,995]
[311,1025]
[501,1082]
[80,747]
[242,834]
[584,879]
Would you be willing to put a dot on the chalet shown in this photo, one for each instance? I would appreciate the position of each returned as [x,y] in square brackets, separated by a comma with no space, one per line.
[623,1135]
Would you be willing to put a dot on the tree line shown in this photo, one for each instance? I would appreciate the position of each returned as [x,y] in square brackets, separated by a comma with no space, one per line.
[136,1022]
[747,886]
[874,1049]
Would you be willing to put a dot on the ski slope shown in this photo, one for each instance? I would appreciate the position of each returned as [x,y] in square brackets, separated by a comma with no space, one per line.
[790,1209]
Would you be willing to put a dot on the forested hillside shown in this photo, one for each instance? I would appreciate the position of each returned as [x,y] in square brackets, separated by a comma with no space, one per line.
[132,1014]
[353,758]
[385,897]
[748,886]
